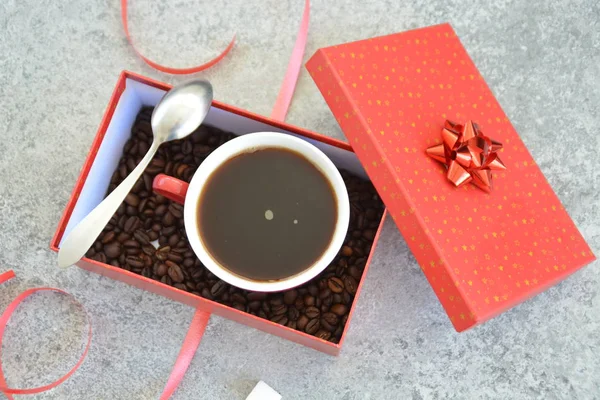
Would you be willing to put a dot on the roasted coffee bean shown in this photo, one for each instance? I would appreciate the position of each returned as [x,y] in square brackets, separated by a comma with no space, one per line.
[180,286]
[324,293]
[312,326]
[123,171]
[312,312]
[265,307]
[369,234]
[123,237]
[176,209]
[108,237]
[239,306]
[131,243]
[350,284]
[206,294]
[347,297]
[146,272]
[302,321]
[141,236]
[173,240]
[131,224]
[254,305]
[175,272]
[134,261]
[327,302]
[299,303]
[276,301]
[147,260]
[147,178]
[156,166]
[335,285]
[100,257]
[339,309]
[290,296]
[168,219]
[174,257]
[98,246]
[293,313]
[143,147]
[323,334]
[162,252]
[313,290]
[130,210]
[132,199]
[196,273]
[188,262]
[187,147]
[354,272]
[160,269]
[148,249]
[115,263]
[338,331]
[278,309]
[280,319]
[112,250]
[346,251]
[90,253]
[218,288]
[360,221]
[291,324]
[329,321]
[160,211]
[238,298]
[309,300]
[337,298]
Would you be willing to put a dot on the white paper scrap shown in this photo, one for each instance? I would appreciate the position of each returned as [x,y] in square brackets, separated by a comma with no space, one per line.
[262,391]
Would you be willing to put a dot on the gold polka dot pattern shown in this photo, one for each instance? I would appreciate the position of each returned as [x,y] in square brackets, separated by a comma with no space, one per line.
[481,252]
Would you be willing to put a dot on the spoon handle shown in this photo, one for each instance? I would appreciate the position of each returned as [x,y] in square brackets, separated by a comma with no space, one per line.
[85,233]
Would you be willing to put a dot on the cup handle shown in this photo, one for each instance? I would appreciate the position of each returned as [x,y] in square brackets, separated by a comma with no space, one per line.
[171,188]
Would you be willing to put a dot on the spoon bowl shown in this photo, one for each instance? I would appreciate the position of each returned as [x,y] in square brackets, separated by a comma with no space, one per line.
[181,110]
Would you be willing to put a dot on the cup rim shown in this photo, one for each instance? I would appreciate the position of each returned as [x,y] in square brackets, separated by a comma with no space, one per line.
[245,143]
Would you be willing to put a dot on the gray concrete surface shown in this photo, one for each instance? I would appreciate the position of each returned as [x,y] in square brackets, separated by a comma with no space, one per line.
[58,64]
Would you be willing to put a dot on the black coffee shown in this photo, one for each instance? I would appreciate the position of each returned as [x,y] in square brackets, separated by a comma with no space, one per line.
[267,215]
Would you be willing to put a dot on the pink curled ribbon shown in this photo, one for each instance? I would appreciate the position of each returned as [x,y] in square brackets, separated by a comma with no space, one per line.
[8,391]
[288,86]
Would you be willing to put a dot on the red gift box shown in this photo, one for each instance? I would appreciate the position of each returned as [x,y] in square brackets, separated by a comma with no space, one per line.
[130,95]
[482,253]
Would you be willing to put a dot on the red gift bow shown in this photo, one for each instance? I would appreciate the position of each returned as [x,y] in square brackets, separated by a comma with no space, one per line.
[469,155]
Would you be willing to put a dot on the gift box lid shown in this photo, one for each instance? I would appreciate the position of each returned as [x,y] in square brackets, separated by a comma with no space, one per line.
[483,251]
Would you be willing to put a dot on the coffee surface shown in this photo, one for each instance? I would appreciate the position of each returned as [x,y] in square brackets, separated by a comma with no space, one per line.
[267,214]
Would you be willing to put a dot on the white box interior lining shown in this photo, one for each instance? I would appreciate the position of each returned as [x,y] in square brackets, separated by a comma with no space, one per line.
[134,97]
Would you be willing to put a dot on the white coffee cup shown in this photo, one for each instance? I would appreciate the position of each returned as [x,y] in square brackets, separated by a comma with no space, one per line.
[188,195]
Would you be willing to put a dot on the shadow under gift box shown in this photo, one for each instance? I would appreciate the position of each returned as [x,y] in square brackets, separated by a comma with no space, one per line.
[131,94]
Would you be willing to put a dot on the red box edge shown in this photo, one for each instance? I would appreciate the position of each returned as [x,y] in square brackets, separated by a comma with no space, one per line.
[176,294]
[479,317]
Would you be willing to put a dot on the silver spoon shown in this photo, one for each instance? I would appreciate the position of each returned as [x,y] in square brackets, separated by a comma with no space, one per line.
[177,115]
